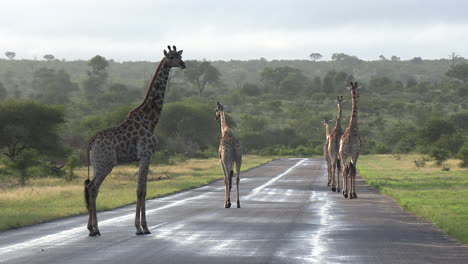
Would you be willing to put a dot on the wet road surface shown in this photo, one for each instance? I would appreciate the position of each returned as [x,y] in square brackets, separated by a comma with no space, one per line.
[288,215]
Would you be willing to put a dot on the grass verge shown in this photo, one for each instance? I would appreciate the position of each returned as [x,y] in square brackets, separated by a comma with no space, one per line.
[439,196]
[51,198]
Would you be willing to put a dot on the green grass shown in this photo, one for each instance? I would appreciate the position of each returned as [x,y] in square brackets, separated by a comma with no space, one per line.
[51,198]
[439,196]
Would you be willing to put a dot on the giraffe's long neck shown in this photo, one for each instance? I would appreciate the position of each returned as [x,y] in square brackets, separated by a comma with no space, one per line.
[327,130]
[149,110]
[224,126]
[339,116]
[353,121]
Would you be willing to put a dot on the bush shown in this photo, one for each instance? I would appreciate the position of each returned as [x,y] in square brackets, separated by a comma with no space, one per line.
[440,155]
[463,155]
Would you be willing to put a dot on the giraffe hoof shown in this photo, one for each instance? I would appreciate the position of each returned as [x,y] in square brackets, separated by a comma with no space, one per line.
[139,233]
[333,189]
[228,205]
[345,194]
[147,232]
[94,233]
[354,195]
[238,206]
[338,190]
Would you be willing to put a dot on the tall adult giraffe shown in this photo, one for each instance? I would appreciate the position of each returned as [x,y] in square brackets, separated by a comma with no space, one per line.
[350,146]
[334,147]
[230,152]
[131,140]
[326,124]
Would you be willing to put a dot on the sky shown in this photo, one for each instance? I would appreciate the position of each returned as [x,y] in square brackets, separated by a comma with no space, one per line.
[136,30]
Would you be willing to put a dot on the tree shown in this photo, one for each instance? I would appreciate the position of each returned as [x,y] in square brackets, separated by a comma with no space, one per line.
[53,86]
[3,91]
[97,77]
[189,126]
[274,76]
[239,78]
[417,60]
[49,57]
[251,89]
[345,59]
[453,57]
[382,58]
[295,83]
[315,56]
[10,55]
[458,71]
[29,129]
[201,73]
[395,58]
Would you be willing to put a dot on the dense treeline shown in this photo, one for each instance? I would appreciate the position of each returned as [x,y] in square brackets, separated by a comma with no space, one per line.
[276,107]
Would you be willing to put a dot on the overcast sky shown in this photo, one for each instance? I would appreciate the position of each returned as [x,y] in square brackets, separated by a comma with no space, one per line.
[126,30]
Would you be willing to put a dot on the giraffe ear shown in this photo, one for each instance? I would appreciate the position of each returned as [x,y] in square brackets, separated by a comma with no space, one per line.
[165,53]
[349,88]
[180,52]
[359,87]
[344,101]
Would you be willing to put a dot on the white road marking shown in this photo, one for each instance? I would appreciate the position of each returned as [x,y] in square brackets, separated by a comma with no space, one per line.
[261,187]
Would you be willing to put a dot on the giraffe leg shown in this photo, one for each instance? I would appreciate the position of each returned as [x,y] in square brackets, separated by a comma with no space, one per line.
[353,182]
[338,172]
[345,180]
[140,214]
[237,183]
[333,188]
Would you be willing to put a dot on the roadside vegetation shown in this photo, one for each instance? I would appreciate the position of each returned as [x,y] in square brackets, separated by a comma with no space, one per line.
[436,195]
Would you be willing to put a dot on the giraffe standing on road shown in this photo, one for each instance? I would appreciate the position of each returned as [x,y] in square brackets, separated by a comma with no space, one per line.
[350,146]
[131,140]
[326,124]
[334,147]
[230,152]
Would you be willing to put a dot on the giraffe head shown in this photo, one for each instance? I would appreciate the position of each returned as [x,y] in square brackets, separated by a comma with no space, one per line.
[354,88]
[339,100]
[219,109]
[174,57]
[326,122]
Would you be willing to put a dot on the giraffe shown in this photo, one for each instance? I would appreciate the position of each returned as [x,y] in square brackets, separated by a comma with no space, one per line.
[131,140]
[350,146]
[334,147]
[230,152]
[326,123]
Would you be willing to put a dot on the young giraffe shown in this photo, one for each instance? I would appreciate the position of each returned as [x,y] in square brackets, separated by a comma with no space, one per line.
[230,152]
[326,123]
[334,147]
[350,146]
[131,140]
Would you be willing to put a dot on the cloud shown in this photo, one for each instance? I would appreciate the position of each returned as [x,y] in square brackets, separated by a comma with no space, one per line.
[140,29]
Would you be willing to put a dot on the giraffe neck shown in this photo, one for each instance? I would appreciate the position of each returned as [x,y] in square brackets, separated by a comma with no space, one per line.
[327,130]
[354,117]
[224,126]
[338,117]
[149,110]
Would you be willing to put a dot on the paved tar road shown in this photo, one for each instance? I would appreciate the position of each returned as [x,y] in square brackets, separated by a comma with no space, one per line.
[288,215]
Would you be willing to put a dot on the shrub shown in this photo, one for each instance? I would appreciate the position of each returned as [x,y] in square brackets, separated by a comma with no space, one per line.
[439,154]
[463,155]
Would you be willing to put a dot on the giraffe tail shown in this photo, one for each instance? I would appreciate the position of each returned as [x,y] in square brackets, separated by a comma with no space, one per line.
[86,192]
[86,183]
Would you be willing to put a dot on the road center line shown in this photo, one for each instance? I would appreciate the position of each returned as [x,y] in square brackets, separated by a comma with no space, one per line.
[261,187]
